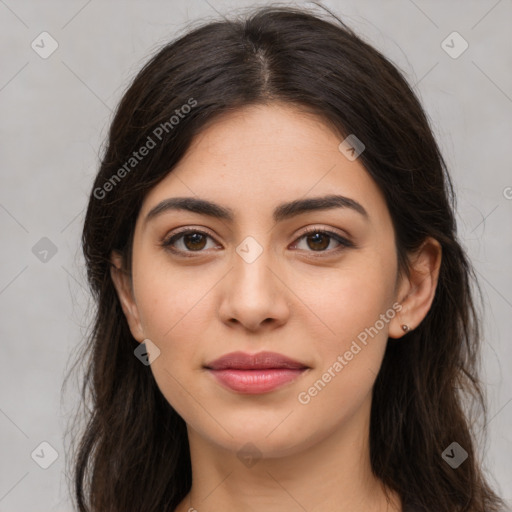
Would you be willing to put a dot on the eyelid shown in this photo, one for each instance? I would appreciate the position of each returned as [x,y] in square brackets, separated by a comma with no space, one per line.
[187,229]
[324,229]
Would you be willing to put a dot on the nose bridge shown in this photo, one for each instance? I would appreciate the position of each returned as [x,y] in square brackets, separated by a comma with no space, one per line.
[253,293]
[251,261]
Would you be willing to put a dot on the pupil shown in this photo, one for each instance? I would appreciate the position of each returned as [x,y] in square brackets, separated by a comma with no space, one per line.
[195,238]
[315,241]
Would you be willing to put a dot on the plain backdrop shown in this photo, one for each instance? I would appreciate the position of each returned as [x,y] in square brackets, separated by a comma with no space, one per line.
[55,112]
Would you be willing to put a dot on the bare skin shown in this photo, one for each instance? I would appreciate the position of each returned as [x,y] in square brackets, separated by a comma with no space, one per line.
[305,296]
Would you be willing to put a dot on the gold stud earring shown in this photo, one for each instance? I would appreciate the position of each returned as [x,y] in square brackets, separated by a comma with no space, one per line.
[405,328]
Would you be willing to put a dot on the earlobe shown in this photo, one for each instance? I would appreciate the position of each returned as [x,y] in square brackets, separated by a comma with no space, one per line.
[122,283]
[418,290]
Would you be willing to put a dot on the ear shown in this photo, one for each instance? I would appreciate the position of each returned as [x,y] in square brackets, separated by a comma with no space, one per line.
[123,285]
[418,290]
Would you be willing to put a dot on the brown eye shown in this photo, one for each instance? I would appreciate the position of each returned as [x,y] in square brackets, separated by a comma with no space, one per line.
[318,240]
[187,241]
[194,241]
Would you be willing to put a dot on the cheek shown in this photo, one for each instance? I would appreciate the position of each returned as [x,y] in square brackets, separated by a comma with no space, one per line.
[350,299]
[355,307]
[175,313]
[340,386]
[168,297]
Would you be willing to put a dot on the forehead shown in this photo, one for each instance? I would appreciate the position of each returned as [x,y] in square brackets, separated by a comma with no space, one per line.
[258,157]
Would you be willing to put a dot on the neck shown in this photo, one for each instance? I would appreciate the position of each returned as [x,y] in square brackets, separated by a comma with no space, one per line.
[331,474]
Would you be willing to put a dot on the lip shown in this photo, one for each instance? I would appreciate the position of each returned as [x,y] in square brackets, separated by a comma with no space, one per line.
[259,361]
[255,373]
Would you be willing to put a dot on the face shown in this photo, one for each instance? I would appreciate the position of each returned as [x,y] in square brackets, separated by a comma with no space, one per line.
[268,270]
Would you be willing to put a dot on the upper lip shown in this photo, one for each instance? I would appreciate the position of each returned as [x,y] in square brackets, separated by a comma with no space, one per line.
[259,361]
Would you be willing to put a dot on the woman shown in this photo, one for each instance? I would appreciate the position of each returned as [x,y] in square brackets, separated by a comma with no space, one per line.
[284,313]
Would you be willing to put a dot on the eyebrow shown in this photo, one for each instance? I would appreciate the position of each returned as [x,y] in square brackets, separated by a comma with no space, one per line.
[282,212]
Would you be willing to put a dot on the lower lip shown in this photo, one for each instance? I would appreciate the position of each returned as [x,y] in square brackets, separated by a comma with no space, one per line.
[256,381]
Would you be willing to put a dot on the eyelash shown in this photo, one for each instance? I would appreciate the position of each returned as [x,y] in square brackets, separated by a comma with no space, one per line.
[344,242]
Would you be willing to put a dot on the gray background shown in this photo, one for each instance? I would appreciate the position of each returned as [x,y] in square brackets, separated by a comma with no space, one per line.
[55,113]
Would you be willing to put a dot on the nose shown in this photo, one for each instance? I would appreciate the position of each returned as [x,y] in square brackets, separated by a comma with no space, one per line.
[254,294]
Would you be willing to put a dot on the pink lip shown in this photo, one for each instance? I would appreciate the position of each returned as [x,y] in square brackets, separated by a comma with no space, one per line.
[255,373]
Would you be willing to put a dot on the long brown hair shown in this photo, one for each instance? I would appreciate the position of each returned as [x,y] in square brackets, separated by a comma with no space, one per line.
[133,451]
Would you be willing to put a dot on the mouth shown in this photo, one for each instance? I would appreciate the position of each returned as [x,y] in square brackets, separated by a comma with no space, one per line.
[255,373]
